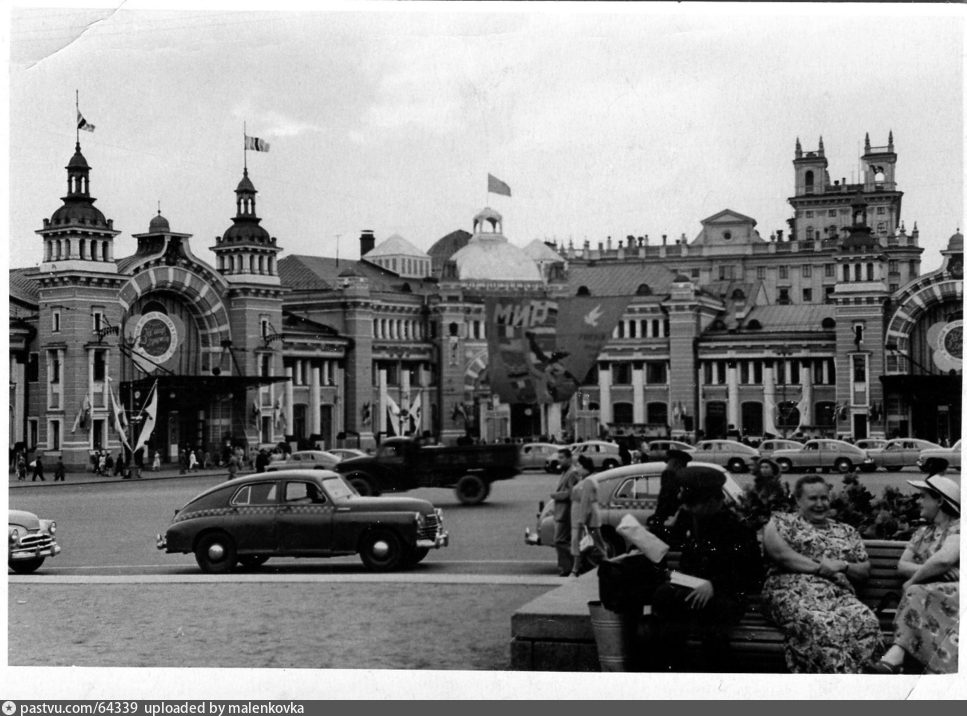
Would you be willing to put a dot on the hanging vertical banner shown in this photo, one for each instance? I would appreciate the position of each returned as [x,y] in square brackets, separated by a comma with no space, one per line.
[540,349]
[148,416]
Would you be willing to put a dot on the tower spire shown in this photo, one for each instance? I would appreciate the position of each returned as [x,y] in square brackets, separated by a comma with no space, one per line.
[822,150]
[798,149]
[866,147]
[889,143]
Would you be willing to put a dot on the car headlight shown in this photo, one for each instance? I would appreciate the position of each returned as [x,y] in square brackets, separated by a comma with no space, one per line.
[14,535]
[52,528]
[420,520]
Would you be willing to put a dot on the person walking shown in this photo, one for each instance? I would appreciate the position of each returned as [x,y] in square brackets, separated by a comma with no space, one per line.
[21,468]
[570,476]
[192,462]
[156,462]
[38,469]
[59,470]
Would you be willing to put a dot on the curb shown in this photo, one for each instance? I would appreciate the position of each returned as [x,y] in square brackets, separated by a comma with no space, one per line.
[89,479]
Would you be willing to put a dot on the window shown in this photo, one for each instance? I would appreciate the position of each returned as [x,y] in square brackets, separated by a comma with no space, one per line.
[894,287]
[784,296]
[809,214]
[807,271]
[760,273]
[621,373]
[265,365]
[33,367]
[807,295]
[303,492]
[828,293]
[893,266]
[744,368]
[830,271]
[832,212]
[810,235]
[656,372]
[54,367]
[97,318]
[696,273]
[859,369]
[55,321]
[623,413]
[260,493]
[53,440]
[725,272]
[881,210]
[757,372]
[100,366]
[638,488]
[656,413]
[783,272]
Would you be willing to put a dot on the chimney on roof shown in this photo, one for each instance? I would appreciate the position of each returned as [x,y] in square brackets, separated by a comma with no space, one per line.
[366,242]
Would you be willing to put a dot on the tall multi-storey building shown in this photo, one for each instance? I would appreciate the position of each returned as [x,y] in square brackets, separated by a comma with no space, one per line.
[826,329]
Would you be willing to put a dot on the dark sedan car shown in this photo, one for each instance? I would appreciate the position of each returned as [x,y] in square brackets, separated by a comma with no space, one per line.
[301,513]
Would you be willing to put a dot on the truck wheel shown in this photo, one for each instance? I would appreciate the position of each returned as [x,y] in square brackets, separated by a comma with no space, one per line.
[381,550]
[215,553]
[471,490]
[363,486]
[26,566]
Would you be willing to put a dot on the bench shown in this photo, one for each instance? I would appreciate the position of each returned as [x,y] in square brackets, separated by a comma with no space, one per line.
[553,632]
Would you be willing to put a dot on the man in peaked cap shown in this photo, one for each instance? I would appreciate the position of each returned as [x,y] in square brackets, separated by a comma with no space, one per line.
[724,554]
[663,522]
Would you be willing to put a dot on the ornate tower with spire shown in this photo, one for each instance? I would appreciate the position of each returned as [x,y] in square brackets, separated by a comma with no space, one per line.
[77,301]
[246,256]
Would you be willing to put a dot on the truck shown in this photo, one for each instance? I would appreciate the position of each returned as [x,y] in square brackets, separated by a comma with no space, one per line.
[401,464]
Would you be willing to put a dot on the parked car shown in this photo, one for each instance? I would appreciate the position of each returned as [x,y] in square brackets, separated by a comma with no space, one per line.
[629,489]
[730,454]
[768,447]
[899,453]
[823,454]
[534,456]
[939,459]
[307,459]
[347,453]
[552,465]
[405,464]
[301,513]
[870,443]
[603,454]
[658,449]
[31,541]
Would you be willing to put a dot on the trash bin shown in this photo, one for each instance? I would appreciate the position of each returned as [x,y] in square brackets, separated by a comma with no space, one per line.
[614,634]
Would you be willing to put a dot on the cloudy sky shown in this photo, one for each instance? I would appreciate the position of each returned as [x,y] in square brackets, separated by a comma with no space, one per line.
[603,119]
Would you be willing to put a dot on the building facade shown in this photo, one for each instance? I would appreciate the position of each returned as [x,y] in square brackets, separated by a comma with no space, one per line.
[827,329]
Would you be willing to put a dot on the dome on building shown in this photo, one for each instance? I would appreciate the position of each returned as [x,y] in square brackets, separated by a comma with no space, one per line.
[246,184]
[488,256]
[78,161]
[247,231]
[158,224]
[681,278]
[956,242]
[78,212]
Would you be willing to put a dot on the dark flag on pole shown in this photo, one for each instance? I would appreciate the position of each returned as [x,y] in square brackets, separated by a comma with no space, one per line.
[495,186]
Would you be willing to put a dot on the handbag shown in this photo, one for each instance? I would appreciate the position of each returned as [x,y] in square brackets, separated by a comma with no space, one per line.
[587,541]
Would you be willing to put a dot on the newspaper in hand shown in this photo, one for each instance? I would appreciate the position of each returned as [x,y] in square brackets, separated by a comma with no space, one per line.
[686,580]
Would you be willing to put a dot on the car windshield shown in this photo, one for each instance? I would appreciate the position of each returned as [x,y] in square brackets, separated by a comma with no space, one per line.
[337,488]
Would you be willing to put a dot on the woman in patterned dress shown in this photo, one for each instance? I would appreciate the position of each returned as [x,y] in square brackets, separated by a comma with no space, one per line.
[928,616]
[808,592]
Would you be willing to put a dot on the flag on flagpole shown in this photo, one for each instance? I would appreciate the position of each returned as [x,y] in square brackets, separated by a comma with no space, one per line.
[83,123]
[118,418]
[393,414]
[256,144]
[149,415]
[257,412]
[82,415]
[416,414]
[495,186]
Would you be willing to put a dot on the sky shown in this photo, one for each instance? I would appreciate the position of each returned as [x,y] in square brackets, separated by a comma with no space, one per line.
[605,120]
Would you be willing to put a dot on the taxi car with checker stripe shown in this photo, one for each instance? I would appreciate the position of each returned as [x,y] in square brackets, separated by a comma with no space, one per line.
[301,513]
[626,490]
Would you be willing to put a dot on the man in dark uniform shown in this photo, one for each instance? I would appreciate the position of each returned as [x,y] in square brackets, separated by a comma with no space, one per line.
[59,470]
[38,470]
[724,554]
[664,523]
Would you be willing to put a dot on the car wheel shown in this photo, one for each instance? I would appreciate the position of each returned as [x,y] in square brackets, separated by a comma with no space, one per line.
[843,465]
[736,465]
[416,555]
[381,550]
[471,490]
[215,553]
[251,561]
[784,464]
[26,566]
[608,464]
[363,486]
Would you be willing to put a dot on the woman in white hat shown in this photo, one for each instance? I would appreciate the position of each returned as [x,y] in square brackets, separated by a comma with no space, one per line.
[928,617]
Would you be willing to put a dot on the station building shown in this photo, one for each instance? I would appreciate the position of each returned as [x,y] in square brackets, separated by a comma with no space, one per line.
[826,328]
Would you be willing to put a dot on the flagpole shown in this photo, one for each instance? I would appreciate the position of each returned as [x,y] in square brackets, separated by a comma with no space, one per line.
[77,111]
[244,146]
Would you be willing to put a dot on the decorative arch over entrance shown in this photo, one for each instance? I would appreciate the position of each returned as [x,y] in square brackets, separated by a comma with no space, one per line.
[209,310]
[914,303]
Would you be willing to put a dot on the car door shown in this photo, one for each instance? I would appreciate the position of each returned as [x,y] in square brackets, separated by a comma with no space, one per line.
[304,518]
[252,517]
[636,495]
[892,455]
[812,454]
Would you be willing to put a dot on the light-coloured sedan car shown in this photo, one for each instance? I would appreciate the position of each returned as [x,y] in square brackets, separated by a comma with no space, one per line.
[534,456]
[306,459]
[871,443]
[768,447]
[346,453]
[658,449]
[629,489]
[31,541]
[900,453]
[603,454]
[732,455]
[939,459]
[823,454]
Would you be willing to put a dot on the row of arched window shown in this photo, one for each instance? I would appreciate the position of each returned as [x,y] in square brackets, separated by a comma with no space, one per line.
[399,329]
[87,250]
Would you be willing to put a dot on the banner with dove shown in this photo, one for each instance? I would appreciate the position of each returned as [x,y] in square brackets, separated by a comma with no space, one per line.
[541,349]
